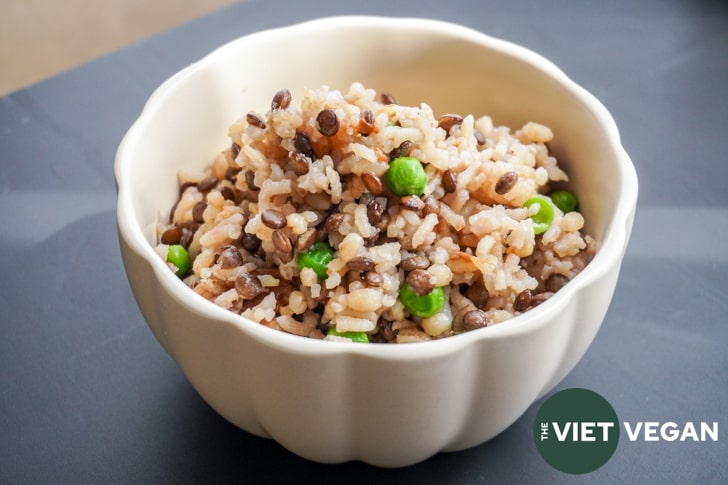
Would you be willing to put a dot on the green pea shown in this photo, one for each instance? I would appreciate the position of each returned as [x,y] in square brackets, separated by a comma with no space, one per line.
[422,305]
[564,200]
[317,258]
[359,337]
[545,215]
[406,176]
[177,255]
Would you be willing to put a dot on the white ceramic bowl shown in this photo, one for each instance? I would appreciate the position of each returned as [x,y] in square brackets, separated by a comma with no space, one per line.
[388,405]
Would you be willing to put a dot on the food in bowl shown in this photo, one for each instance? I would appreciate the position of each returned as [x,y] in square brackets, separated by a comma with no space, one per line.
[349,217]
[384,405]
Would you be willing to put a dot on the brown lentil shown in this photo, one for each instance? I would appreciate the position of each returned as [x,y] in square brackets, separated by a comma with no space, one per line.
[227,192]
[334,221]
[240,196]
[375,209]
[388,98]
[555,282]
[366,122]
[522,301]
[284,256]
[273,219]
[206,184]
[327,122]
[402,150]
[249,242]
[198,210]
[469,240]
[475,319]
[275,272]
[372,183]
[374,238]
[411,263]
[372,278]
[420,281]
[231,174]
[478,294]
[281,100]
[411,202]
[377,338]
[255,120]
[172,235]
[248,286]
[250,180]
[360,263]
[506,182]
[235,150]
[281,241]
[303,144]
[299,164]
[187,236]
[446,122]
[229,257]
[385,329]
[449,181]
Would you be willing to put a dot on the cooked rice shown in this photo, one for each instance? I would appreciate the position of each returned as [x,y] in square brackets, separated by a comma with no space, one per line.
[476,243]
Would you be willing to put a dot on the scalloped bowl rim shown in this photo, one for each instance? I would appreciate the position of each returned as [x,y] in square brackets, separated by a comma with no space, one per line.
[609,254]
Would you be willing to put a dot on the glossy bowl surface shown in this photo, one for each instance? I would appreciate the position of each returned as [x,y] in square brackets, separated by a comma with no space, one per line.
[388,405]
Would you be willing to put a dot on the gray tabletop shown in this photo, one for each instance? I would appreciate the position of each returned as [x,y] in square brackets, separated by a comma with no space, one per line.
[88,396]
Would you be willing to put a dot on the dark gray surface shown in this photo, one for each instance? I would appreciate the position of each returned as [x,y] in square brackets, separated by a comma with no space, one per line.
[88,396]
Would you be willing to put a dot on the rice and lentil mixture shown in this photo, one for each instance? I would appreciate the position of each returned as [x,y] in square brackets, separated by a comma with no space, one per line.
[350,217]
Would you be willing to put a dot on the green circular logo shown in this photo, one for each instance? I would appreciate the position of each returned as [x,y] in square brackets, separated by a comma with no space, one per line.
[576,431]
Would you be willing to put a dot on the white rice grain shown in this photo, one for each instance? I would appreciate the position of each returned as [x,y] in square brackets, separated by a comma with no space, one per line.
[425,233]
[364,300]
[352,324]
